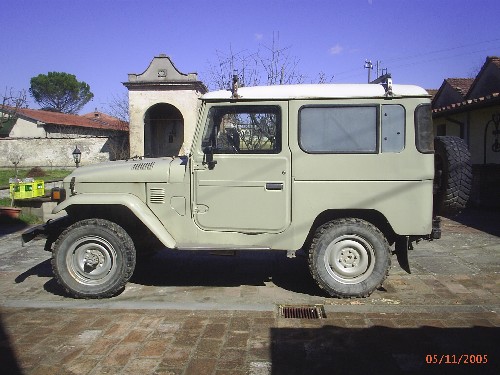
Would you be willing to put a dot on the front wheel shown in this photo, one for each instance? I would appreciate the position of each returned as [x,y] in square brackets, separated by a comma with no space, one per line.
[93,258]
[349,258]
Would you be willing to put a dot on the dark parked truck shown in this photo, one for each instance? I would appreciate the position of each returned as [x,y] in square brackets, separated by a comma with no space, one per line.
[350,173]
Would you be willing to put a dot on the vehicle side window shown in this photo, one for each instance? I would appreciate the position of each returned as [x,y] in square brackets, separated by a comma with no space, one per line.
[424,137]
[393,128]
[243,129]
[338,129]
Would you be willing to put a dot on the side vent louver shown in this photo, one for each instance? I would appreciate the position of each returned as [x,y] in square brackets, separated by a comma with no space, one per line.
[143,166]
[157,196]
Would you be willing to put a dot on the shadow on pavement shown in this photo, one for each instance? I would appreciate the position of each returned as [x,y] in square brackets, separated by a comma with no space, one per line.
[43,269]
[202,269]
[485,220]
[9,225]
[192,268]
[8,359]
[383,350]
[197,268]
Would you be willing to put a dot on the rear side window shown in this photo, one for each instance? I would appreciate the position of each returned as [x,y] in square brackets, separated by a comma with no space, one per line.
[349,129]
[424,134]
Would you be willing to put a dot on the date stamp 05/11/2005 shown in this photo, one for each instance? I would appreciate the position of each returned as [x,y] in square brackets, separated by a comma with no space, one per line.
[456,359]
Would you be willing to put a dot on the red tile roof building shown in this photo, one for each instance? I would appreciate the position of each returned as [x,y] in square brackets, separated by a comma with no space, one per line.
[470,108]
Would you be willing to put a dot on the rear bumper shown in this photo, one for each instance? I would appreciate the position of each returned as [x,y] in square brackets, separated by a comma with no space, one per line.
[436,228]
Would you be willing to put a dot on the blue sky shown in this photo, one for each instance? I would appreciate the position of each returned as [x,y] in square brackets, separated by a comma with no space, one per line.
[420,42]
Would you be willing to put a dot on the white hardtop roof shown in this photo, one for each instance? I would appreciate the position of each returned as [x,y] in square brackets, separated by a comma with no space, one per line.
[305,91]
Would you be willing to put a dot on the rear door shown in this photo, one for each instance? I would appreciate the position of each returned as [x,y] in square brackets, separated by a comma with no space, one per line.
[242,169]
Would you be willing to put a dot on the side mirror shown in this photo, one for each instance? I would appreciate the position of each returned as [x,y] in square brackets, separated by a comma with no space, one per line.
[208,157]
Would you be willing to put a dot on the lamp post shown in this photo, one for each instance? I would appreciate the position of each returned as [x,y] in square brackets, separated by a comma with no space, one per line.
[77,156]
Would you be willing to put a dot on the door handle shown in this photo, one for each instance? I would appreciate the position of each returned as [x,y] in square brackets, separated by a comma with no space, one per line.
[274,186]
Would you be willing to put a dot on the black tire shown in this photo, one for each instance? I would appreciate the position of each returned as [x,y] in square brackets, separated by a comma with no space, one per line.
[453,175]
[93,258]
[349,258]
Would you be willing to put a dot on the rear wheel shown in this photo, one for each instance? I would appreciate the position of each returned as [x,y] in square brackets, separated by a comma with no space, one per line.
[349,258]
[93,258]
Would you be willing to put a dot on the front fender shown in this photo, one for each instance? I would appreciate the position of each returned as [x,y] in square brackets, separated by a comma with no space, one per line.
[134,204]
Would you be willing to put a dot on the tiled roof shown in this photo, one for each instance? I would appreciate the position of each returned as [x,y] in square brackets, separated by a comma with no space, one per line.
[490,60]
[94,120]
[493,98]
[466,88]
[103,118]
[432,92]
[494,59]
[462,85]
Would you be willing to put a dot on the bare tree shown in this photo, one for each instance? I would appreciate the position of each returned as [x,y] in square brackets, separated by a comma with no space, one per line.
[324,78]
[12,102]
[118,147]
[118,107]
[270,64]
[280,67]
[243,63]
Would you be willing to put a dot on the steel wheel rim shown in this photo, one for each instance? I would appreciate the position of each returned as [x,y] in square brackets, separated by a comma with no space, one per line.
[349,259]
[91,260]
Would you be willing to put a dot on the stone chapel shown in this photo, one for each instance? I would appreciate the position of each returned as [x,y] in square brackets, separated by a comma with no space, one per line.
[163,107]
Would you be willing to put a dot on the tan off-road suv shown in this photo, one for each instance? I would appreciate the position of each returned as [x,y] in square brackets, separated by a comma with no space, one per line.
[346,172]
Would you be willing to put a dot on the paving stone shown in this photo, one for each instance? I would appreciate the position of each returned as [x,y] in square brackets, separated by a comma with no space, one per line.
[102,346]
[82,365]
[234,359]
[120,354]
[208,348]
[153,348]
[230,372]
[215,331]
[237,339]
[176,357]
[201,367]
[137,335]
[141,366]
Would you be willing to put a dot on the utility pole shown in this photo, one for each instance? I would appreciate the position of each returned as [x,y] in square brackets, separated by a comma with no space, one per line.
[379,68]
[369,66]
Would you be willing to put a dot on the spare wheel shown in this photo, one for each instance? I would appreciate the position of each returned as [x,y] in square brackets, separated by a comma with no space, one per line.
[453,175]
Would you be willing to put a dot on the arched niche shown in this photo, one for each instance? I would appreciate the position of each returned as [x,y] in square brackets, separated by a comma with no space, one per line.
[163,130]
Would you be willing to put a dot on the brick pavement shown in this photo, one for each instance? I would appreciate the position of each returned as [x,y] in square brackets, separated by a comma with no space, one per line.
[98,341]
[202,314]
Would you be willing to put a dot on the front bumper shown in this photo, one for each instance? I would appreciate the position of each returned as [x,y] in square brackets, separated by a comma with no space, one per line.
[33,232]
[50,230]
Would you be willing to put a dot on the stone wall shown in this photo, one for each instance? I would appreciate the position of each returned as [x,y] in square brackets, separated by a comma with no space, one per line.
[57,152]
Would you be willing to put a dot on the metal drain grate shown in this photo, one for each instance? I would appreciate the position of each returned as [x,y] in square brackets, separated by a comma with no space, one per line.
[302,312]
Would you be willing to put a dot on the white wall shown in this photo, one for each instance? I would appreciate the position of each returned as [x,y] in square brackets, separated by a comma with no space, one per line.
[46,152]
[24,128]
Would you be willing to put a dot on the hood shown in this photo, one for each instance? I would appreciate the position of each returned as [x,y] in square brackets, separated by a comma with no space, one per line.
[133,170]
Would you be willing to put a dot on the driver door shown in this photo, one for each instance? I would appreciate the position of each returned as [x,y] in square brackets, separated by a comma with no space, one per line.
[242,169]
